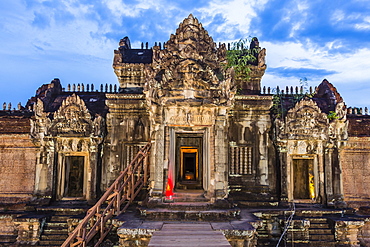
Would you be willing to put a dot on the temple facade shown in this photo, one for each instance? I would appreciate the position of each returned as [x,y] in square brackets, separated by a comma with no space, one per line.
[213,131]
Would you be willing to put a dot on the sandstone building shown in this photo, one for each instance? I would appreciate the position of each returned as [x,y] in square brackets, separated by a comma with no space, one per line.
[213,132]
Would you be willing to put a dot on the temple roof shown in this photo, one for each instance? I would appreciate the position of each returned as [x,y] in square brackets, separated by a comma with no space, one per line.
[137,56]
[14,123]
[327,96]
[359,125]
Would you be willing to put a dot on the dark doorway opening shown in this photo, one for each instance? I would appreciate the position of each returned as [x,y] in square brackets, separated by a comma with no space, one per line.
[189,161]
[189,164]
[74,176]
[303,186]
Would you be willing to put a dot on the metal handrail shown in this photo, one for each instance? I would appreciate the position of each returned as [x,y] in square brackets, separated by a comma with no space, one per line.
[121,193]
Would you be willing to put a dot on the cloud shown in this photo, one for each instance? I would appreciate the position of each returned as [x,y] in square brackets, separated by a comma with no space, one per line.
[287,62]
[313,39]
[64,26]
[228,18]
[309,73]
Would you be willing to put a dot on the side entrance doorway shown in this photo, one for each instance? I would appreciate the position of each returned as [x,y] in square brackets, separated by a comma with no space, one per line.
[71,177]
[304,184]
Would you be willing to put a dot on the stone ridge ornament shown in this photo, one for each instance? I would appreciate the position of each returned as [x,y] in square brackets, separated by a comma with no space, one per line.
[190,67]
[306,121]
[72,118]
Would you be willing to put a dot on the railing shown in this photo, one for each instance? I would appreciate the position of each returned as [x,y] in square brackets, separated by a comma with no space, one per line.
[114,201]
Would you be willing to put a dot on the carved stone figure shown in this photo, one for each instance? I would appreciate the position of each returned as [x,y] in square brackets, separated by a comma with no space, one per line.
[306,121]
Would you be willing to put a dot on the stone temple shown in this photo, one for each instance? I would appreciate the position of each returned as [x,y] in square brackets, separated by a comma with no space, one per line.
[256,163]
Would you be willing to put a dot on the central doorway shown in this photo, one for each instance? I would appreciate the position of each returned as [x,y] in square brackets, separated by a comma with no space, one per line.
[189,164]
[189,151]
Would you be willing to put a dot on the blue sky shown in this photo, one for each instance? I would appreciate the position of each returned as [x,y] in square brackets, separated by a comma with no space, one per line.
[73,40]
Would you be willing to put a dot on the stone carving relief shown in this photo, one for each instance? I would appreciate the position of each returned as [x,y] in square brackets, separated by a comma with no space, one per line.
[304,121]
[189,116]
[190,66]
[72,145]
[41,121]
[338,126]
[261,58]
[72,118]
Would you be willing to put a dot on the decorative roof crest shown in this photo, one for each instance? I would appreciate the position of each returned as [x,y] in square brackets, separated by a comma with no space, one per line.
[190,66]
[72,118]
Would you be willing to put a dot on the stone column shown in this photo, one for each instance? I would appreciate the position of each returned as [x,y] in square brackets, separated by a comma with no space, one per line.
[221,155]
[263,155]
[92,165]
[52,165]
[283,172]
[346,232]
[338,183]
[321,181]
[328,162]
[156,164]
[29,229]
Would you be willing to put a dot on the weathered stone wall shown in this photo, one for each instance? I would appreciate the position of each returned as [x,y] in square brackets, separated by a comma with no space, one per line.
[127,131]
[355,162]
[252,171]
[8,230]
[17,167]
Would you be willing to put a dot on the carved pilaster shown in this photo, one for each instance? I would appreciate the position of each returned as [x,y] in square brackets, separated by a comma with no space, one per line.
[346,231]
[156,170]
[220,157]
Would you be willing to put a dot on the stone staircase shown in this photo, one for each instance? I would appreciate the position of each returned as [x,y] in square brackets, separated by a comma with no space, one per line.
[190,206]
[55,230]
[309,227]
[320,232]
[189,196]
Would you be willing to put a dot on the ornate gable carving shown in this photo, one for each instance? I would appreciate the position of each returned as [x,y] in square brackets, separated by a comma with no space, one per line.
[40,122]
[72,118]
[304,122]
[189,66]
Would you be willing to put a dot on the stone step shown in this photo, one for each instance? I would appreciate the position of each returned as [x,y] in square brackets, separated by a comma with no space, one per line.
[64,217]
[60,230]
[64,211]
[266,242]
[311,243]
[56,228]
[186,196]
[187,206]
[51,242]
[191,215]
[320,231]
[317,213]
[322,243]
[57,224]
[180,234]
[263,235]
[54,237]
[318,225]
[9,238]
[322,237]
[317,220]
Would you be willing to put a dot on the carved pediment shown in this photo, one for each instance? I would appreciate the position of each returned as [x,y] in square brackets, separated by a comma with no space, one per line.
[305,121]
[190,62]
[72,118]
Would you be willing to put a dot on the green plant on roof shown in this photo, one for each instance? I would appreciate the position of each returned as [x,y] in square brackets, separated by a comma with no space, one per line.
[332,115]
[240,56]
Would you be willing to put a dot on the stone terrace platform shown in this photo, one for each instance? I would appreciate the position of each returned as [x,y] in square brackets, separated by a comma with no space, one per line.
[177,225]
[188,224]
[188,234]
